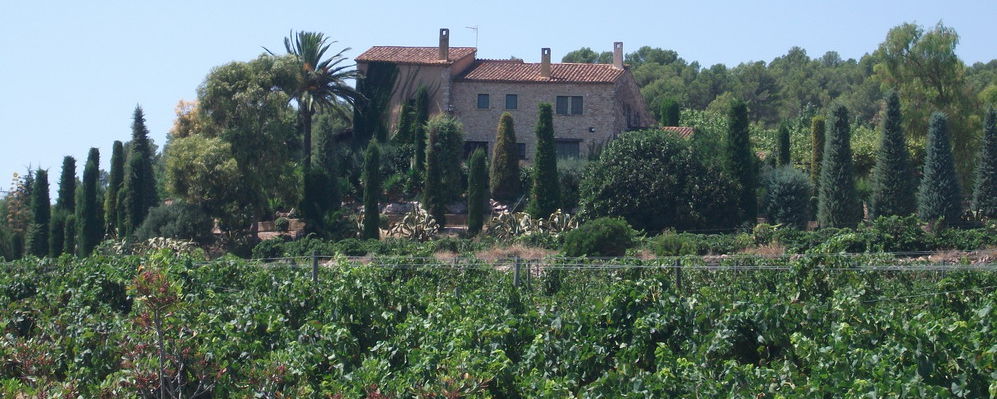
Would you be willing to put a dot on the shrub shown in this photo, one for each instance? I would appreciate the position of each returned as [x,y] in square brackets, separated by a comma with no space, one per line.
[504,184]
[319,200]
[938,196]
[600,237]
[177,220]
[654,181]
[570,172]
[669,112]
[282,224]
[787,197]
[545,197]
[670,243]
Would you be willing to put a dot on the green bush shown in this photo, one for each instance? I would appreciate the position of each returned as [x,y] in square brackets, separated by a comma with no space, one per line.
[654,181]
[787,197]
[282,224]
[570,173]
[600,237]
[177,220]
[670,243]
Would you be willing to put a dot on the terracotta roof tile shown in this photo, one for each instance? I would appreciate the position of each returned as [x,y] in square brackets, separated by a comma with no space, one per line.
[519,71]
[682,131]
[413,55]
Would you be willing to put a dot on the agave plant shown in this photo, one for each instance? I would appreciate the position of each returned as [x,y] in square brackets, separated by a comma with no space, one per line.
[416,225]
[558,222]
[506,225]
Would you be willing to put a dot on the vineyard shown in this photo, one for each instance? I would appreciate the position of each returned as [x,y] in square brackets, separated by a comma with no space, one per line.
[877,325]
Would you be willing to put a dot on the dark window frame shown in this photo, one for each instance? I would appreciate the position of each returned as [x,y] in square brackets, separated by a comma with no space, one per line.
[487,101]
[575,152]
[569,105]
[514,102]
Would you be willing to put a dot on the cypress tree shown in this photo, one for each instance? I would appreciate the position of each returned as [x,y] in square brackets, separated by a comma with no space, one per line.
[477,192]
[56,233]
[938,196]
[837,203]
[985,193]
[741,162]
[784,157]
[372,191]
[505,162]
[817,151]
[406,123]
[546,195]
[69,235]
[421,114]
[325,160]
[139,186]
[111,217]
[892,177]
[432,194]
[41,215]
[67,185]
[670,112]
[89,231]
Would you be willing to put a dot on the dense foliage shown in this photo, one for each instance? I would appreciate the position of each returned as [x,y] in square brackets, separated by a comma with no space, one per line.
[477,192]
[505,162]
[893,177]
[112,216]
[985,193]
[939,196]
[817,127]
[372,192]
[177,220]
[545,195]
[837,203]
[138,189]
[90,230]
[741,161]
[67,186]
[41,214]
[599,237]
[229,328]
[787,197]
[655,180]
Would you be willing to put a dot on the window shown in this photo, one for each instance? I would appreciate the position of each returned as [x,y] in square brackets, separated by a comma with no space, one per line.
[471,146]
[521,150]
[483,101]
[569,105]
[567,148]
[511,101]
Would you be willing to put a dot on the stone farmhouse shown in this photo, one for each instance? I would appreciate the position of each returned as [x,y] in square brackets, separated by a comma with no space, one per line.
[592,103]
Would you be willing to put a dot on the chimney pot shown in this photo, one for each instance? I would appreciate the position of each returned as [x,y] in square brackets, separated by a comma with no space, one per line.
[618,55]
[444,44]
[545,63]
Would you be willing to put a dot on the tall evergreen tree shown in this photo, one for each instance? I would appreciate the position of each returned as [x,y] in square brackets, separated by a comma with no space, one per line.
[326,160]
[67,185]
[546,195]
[139,186]
[505,162]
[784,155]
[817,151]
[112,219]
[372,191]
[69,235]
[89,231]
[432,193]
[56,233]
[938,196]
[406,124]
[838,204]
[477,192]
[421,113]
[669,112]
[741,162]
[893,176]
[41,216]
[985,193]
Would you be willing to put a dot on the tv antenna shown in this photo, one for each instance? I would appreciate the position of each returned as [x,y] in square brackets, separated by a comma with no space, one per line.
[475,29]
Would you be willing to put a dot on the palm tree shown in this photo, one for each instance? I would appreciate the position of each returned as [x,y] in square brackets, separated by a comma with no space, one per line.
[318,81]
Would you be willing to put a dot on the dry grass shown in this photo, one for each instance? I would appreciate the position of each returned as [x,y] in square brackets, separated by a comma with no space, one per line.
[982,256]
[768,250]
[520,251]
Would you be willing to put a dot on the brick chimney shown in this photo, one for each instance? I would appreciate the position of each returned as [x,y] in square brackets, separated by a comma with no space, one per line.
[545,63]
[618,55]
[444,44]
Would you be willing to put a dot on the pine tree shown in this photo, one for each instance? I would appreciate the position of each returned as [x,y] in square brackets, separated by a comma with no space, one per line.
[985,193]
[41,215]
[784,157]
[89,230]
[838,204]
[670,112]
[546,195]
[432,194]
[505,162]
[938,196]
[817,151]
[421,113]
[67,185]
[741,162]
[892,177]
[477,192]
[139,186]
[112,219]
[372,192]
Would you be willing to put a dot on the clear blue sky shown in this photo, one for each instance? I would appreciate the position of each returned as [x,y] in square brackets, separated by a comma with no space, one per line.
[75,70]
